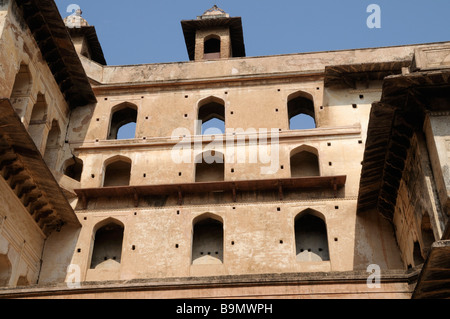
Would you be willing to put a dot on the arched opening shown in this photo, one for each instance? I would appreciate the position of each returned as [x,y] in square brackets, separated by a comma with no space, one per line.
[301,111]
[210,167]
[117,172]
[427,233]
[212,47]
[39,113]
[417,255]
[23,281]
[53,145]
[107,251]
[304,162]
[207,240]
[5,270]
[211,116]
[73,168]
[38,120]
[123,122]
[21,90]
[311,239]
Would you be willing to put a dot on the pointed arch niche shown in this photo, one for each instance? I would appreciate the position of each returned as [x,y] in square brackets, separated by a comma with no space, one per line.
[123,121]
[207,240]
[301,113]
[107,245]
[304,161]
[117,171]
[311,239]
[211,116]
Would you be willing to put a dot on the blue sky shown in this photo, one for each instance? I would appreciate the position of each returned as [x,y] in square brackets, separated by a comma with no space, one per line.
[143,31]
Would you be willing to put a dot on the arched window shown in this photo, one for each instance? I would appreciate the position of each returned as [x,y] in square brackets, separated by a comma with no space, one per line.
[73,168]
[53,145]
[107,252]
[123,121]
[212,47]
[301,111]
[311,240]
[21,90]
[207,240]
[39,113]
[211,116]
[38,120]
[304,162]
[210,167]
[117,172]
[5,270]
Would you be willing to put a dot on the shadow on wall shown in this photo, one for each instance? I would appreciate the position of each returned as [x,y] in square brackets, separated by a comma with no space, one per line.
[375,243]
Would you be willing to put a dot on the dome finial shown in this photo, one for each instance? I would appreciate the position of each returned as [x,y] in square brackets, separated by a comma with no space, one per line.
[214,12]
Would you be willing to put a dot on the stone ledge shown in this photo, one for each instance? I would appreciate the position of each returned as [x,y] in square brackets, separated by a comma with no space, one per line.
[233,281]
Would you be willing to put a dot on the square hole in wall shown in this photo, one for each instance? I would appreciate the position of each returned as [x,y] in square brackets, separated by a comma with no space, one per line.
[361,96]
[330,164]
[329,144]
[354,106]
[79,250]
[336,207]
[179,174]
[278,209]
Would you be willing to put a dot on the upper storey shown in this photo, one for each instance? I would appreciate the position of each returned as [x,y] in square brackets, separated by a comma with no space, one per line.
[214,35]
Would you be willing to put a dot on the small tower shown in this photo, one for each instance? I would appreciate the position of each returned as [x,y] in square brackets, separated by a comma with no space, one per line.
[214,35]
[84,37]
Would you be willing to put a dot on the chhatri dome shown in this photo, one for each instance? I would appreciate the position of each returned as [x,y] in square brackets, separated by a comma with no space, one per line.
[75,20]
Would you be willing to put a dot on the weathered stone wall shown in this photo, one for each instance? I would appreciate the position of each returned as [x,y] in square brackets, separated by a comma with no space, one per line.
[20,52]
[21,241]
[417,206]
